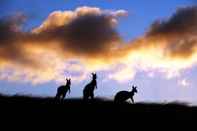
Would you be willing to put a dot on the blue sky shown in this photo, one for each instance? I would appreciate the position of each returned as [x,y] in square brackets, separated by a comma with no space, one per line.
[141,14]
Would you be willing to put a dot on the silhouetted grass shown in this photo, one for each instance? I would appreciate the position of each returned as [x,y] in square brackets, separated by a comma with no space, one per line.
[98,108]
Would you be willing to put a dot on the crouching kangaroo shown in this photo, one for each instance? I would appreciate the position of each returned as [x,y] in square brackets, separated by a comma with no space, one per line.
[63,89]
[122,96]
[88,91]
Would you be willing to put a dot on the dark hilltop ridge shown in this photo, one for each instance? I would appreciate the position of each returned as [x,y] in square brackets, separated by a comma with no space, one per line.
[97,108]
[90,108]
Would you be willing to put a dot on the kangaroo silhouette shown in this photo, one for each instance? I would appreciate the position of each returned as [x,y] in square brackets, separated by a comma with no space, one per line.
[88,91]
[122,96]
[63,89]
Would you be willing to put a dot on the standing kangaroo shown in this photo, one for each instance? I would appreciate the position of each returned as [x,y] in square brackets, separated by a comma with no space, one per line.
[89,88]
[122,96]
[63,89]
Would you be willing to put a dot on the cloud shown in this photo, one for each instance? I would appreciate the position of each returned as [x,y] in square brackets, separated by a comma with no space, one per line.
[168,47]
[122,73]
[10,35]
[179,31]
[183,83]
[60,18]
[74,43]
[87,34]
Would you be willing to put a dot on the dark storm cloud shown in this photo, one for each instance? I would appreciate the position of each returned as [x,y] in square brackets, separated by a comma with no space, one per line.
[93,35]
[180,32]
[11,36]
[88,36]
[184,21]
[38,55]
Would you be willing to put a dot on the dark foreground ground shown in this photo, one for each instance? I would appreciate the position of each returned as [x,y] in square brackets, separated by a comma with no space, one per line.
[47,109]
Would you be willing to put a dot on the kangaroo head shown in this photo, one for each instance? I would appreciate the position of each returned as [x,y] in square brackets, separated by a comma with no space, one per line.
[94,76]
[134,89]
[68,81]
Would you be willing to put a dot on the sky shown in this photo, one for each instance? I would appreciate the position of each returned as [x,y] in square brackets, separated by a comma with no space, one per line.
[150,44]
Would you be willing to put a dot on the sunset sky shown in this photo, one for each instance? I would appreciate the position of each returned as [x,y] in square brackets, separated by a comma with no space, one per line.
[151,44]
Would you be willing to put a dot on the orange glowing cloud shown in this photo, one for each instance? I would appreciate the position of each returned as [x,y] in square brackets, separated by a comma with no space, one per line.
[73,43]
